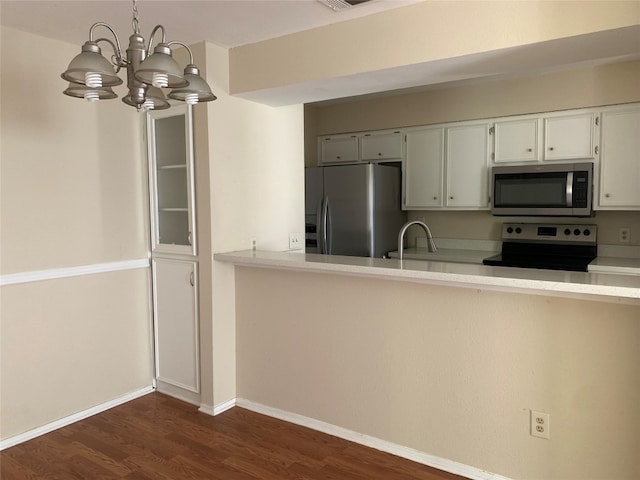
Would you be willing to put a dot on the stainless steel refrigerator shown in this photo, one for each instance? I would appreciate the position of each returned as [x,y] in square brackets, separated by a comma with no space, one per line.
[353,209]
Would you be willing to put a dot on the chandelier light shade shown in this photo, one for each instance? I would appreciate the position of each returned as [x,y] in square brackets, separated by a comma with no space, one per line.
[197,91]
[91,68]
[92,94]
[154,100]
[91,75]
[161,70]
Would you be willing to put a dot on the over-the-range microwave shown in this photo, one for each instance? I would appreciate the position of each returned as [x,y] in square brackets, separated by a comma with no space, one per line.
[564,189]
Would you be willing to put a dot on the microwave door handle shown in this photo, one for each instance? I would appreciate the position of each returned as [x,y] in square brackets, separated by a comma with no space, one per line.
[569,189]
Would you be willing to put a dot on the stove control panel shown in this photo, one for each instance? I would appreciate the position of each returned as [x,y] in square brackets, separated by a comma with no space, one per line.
[550,233]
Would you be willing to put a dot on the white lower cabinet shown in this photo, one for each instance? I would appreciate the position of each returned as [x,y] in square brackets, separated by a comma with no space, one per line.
[176,327]
[620,159]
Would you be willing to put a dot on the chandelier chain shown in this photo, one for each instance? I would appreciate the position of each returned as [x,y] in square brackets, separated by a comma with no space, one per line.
[136,23]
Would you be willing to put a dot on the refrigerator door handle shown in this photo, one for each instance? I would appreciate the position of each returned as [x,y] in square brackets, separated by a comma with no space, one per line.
[324,226]
[327,226]
[319,223]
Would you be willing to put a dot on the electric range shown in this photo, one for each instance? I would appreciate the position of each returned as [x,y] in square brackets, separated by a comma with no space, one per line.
[548,246]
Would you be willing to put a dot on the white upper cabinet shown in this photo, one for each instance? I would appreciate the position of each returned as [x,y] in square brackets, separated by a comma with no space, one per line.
[467,154]
[170,148]
[423,168]
[338,149]
[447,167]
[569,137]
[516,141]
[620,159]
[381,146]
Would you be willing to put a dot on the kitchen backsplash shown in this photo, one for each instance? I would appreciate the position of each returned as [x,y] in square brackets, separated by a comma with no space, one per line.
[481,225]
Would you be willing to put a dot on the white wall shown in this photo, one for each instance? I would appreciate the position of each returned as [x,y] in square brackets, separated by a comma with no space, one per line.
[451,372]
[420,34]
[256,163]
[72,194]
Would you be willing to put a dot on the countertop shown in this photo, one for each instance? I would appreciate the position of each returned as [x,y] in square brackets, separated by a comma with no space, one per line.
[630,266]
[608,287]
[454,255]
[602,264]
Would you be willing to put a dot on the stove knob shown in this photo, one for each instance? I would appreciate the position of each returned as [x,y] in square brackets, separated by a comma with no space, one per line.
[567,231]
[518,230]
[576,232]
[586,232]
[509,230]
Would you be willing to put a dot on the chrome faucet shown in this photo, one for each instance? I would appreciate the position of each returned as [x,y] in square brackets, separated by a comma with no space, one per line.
[403,230]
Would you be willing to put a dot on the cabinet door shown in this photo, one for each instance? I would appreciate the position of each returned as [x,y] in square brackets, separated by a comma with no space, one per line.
[176,323]
[338,149]
[170,153]
[422,168]
[466,164]
[620,159]
[516,141]
[569,137]
[381,146]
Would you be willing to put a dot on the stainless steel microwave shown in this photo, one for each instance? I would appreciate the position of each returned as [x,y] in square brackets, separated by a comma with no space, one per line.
[564,189]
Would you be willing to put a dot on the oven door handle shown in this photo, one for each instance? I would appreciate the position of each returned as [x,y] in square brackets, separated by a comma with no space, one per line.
[569,191]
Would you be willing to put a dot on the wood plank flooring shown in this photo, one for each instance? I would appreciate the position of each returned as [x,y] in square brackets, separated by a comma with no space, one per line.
[156,437]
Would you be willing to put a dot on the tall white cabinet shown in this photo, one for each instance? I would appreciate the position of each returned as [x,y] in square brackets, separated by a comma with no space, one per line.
[174,252]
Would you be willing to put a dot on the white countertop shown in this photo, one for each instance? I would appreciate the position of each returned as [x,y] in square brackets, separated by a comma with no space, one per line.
[454,255]
[630,266]
[615,288]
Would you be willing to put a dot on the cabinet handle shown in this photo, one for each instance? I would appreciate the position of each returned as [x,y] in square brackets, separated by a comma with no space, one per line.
[435,198]
[608,195]
[379,154]
[550,148]
[529,149]
[338,157]
[189,238]
[596,150]
[450,198]
[192,279]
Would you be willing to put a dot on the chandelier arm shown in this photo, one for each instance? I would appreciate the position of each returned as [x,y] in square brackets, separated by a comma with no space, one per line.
[175,42]
[116,49]
[115,59]
[153,32]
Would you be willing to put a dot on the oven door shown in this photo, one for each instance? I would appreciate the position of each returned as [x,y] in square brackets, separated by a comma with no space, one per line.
[545,190]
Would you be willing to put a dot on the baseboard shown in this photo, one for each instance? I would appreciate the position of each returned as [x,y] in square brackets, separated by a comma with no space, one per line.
[63,422]
[218,409]
[376,443]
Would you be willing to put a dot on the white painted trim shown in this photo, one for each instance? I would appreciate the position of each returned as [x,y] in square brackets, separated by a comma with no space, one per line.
[63,422]
[218,409]
[447,465]
[56,273]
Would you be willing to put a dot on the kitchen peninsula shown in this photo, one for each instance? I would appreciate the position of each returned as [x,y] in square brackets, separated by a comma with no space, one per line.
[585,285]
[423,358]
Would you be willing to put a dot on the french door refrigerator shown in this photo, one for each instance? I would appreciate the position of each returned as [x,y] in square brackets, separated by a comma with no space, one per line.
[353,209]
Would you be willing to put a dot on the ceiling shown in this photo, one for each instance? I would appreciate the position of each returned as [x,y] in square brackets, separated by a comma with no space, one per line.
[231,23]
[227,23]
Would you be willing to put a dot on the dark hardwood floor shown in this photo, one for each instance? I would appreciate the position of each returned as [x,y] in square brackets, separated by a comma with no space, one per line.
[156,437]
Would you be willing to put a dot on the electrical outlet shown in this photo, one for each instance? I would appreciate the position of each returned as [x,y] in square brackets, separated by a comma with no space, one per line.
[295,241]
[253,243]
[624,234]
[540,425]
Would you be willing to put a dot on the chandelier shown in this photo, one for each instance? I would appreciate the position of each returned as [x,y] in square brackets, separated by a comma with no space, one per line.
[91,75]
